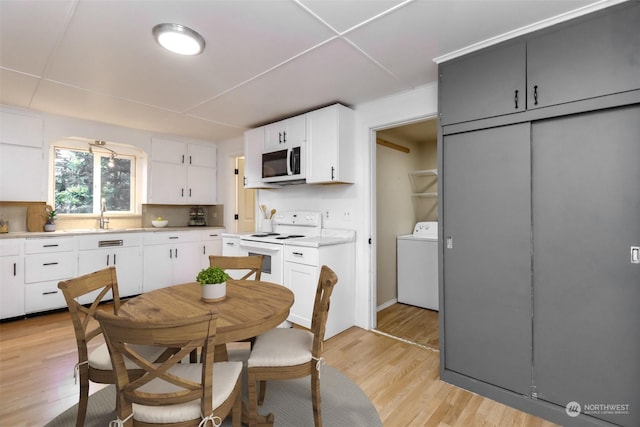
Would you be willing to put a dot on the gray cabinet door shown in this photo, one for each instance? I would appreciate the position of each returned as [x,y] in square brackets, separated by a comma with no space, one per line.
[483,85]
[586,216]
[487,261]
[592,58]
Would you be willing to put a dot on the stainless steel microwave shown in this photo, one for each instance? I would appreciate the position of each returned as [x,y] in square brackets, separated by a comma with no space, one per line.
[283,166]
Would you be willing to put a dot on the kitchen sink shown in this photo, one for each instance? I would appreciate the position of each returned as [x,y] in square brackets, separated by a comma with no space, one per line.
[98,230]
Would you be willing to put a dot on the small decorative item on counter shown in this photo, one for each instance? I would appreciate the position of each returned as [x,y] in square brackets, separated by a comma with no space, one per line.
[4,226]
[50,225]
[159,222]
[266,224]
[213,281]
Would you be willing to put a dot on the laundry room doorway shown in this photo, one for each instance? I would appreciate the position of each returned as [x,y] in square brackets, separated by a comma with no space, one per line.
[406,194]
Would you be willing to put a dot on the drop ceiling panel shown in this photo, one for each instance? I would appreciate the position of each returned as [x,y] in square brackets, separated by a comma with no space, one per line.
[123,60]
[16,89]
[343,15]
[89,106]
[29,31]
[333,72]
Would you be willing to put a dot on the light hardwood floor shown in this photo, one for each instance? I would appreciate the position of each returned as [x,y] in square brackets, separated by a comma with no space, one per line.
[411,323]
[37,356]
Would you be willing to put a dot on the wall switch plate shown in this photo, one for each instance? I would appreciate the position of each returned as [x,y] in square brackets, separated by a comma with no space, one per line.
[326,214]
[348,214]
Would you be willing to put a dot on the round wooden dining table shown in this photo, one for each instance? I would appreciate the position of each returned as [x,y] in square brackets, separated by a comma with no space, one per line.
[250,308]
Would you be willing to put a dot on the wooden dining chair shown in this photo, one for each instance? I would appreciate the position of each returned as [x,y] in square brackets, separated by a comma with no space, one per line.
[288,353]
[252,263]
[173,392]
[95,366]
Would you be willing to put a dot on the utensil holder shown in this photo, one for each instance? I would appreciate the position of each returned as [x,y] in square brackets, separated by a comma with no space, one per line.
[266,226]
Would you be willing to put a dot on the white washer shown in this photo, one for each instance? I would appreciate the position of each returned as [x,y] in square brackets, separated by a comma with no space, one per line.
[417,263]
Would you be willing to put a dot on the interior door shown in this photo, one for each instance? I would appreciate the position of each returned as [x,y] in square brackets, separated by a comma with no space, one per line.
[487,255]
[586,216]
[246,201]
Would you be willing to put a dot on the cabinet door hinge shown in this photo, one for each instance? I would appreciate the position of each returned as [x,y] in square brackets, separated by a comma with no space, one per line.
[236,172]
[236,217]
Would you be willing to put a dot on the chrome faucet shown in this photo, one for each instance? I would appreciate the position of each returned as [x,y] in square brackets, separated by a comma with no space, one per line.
[104,222]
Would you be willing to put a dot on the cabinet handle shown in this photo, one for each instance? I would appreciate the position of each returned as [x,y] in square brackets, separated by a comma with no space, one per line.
[189,192]
[204,250]
[182,192]
[183,158]
[176,253]
[279,137]
[15,273]
[50,293]
[297,253]
[50,263]
[230,243]
[333,175]
[170,254]
[284,136]
[535,95]
[190,160]
[515,98]
[50,246]
[107,260]
[114,259]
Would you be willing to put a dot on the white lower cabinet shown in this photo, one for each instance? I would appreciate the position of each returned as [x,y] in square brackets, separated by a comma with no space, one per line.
[231,247]
[211,245]
[47,262]
[171,258]
[123,251]
[11,278]
[301,272]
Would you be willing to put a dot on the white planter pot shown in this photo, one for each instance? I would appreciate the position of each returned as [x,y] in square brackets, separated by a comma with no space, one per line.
[214,293]
[50,226]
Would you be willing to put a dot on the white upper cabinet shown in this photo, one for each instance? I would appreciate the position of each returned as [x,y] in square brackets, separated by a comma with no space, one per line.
[182,173]
[22,165]
[285,134]
[330,140]
[253,147]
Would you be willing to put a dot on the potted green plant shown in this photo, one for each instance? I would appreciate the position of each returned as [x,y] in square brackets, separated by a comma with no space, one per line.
[50,225]
[213,281]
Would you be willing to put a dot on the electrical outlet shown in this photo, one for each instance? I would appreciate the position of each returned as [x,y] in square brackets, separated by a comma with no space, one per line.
[327,215]
[348,215]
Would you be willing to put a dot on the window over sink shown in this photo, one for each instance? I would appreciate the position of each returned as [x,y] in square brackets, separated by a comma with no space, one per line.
[89,178]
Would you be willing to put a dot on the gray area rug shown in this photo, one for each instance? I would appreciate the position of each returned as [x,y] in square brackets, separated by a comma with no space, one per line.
[343,404]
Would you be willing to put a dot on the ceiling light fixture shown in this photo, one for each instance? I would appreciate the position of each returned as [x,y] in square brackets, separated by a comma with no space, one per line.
[178,39]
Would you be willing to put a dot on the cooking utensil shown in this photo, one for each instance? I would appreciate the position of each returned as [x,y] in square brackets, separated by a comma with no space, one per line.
[263,208]
[273,212]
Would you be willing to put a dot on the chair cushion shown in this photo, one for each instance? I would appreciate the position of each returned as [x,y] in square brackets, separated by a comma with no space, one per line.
[225,375]
[281,347]
[100,359]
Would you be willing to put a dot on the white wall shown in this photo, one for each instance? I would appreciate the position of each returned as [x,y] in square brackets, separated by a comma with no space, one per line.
[358,198]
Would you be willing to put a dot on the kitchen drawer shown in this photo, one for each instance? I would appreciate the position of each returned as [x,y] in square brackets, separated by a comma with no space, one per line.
[89,242]
[50,244]
[207,235]
[56,266]
[11,247]
[43,296]
[301,255]
[168,237]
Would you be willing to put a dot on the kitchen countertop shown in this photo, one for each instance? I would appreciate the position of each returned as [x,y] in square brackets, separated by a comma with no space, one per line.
[327,237]
[60,233]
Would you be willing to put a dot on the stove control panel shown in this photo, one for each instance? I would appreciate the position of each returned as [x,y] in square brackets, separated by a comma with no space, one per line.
[308,219]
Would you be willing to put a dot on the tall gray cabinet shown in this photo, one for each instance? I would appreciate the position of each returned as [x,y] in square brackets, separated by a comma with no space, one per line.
[540,212]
